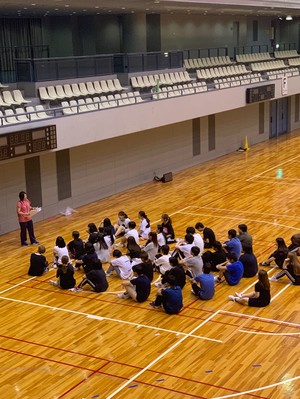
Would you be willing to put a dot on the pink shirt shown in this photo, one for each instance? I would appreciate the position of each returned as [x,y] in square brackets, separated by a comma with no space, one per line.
[24,207]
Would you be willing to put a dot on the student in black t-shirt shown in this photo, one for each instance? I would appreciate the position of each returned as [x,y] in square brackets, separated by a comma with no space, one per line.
[167,228]
[147,265]
[95,278]
[38,262]
[88,259]
[209,236]
[76,246]
[215,257]
[249,261]
[260,297]
[64,275]
[137,288]
[177,271]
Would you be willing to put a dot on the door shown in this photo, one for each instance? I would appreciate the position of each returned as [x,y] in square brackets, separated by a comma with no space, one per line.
[278,117]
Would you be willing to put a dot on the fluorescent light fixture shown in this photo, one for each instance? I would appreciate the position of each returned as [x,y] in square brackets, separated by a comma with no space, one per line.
[277,46]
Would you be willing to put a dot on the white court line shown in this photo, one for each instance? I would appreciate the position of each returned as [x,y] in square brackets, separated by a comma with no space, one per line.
[160,357]
[279,179]
[96,317]
[269,333]
[251,285]
[17,285]
[239,218]
[276,384]
[274,167]
[250,316]
[245,211]
[283,289]
[269,181]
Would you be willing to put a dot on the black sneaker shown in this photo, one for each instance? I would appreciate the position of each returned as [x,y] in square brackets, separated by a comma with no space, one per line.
[24,244]
[154,306]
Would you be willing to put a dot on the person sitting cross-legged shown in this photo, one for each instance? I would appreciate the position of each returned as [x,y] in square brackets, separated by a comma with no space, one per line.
[121,265]
[170,297]
[64,274]
[231,270]
[95,278]
[138,288]
[290,268]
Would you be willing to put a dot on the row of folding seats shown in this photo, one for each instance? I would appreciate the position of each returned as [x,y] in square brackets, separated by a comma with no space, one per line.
[79,90]
[9,99]
[268,65]
[237,81]
[280,73]
[253,57]
[294,61]
[167,79]
[219,72]
[102,102]
[18,115]
[206,62]
[179,90]
[286,54]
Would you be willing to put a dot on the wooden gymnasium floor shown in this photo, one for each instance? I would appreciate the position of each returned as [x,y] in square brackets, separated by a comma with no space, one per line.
[60,344]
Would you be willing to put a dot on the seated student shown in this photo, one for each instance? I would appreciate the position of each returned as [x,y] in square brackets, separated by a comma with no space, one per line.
[38,262]
[295,243]
[177,271]
[76,246]
[138,288]
[233,244]
[168,230]
[162,263]
[290,268]
[193,264]
[147,265]
[231,270]
[133,249]
[144,227]
[92,228]
[244,236]
[121,265]
[249,261]
[279,255]
[131,232]
[64,275]
[101,247]
[170,297]
[215,257]
[183,247]
[88,259]
[122,224]
[209,236]
[95,278]
[106,224]
[109,238]
[198,240]
[260,297]
[207,284]
[151,246]
[59,251]
[161,237]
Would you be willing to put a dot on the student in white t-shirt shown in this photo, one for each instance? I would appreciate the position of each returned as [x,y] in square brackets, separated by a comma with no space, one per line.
[121,265]
[184,247]
[122,224]
[198,240]
[161,237]
[151,247]
[144,228]
[132,232]
[162,263]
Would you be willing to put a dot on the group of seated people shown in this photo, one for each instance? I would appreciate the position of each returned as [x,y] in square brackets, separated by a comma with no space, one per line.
[134,254]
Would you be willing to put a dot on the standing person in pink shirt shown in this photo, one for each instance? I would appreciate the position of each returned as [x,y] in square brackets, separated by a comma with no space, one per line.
[23,211]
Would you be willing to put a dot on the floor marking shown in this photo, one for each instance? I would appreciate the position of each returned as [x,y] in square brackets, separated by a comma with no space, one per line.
[238,218]
[287,323]
[283,289]
[274,167]
[258,389]
[268,333]
[17,285]
[251,285]
[268,181]
[279,179]
[160,357]
[96,317]
[245,211]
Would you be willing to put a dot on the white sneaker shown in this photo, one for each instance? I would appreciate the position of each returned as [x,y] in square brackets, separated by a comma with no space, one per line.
[158,284]
[108,274]
[124,295]
[238,294]
[273,278]
[219,279]
[232,298]
[54,283]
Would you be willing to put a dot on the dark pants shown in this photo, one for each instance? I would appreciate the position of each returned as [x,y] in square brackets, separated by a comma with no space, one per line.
[196,289]
[27,226]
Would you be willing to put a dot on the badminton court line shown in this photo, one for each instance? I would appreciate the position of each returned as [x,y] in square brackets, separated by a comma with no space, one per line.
[17,285]
[101,318]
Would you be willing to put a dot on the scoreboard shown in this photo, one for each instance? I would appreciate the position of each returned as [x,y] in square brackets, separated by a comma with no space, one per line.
[27,142]
[260,93]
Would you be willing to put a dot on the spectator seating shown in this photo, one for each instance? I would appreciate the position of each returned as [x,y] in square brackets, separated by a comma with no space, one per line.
[206,62]
[79,90]
[102,102]
[253,57]
[220,72]
[294,61]
[268,65]
[237,81]
[179,90]
[147,82]
[286,54]
[9,99]
[19,115]
[280,73]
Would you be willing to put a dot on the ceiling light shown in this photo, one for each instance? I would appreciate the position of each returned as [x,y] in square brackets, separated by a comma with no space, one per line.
[289,18]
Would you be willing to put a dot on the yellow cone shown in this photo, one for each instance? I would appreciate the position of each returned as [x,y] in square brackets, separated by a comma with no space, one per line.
[246,145]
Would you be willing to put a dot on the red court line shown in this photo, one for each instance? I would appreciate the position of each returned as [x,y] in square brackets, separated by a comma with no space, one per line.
[114,362]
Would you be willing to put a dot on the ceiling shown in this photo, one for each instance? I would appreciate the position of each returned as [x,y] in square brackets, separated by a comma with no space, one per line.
[25,8]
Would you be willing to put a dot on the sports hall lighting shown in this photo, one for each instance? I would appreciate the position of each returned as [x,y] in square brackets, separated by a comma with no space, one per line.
[289,18]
